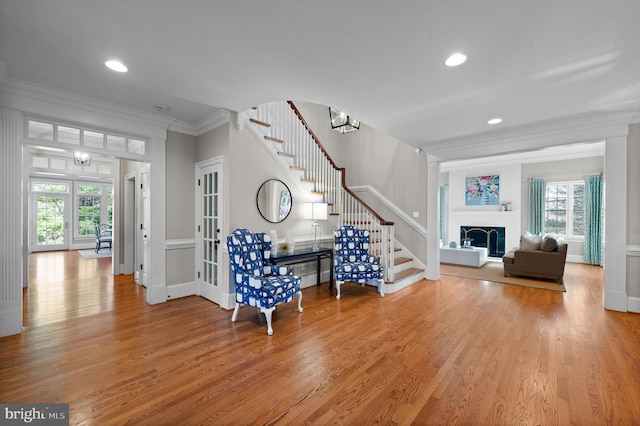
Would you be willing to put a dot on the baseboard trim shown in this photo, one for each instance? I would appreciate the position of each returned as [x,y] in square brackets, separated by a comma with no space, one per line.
[175,291]
[156,294]
[10,322]
[616,301]
[633,304]
[575,258]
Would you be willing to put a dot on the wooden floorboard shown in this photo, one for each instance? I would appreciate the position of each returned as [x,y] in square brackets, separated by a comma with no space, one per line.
[453,351]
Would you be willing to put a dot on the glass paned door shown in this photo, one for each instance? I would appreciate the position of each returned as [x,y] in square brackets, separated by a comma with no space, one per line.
[208,245]
[50,223]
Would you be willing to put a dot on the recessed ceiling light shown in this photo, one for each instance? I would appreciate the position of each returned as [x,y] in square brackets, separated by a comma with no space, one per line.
[495,121]
[116,66]
[455,60]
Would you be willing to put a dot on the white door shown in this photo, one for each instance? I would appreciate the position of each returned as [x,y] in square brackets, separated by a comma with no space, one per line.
[143,236]
[208,226]
[50,221]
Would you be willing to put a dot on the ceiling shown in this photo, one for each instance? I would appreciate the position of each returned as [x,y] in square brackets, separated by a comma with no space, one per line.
[380,61]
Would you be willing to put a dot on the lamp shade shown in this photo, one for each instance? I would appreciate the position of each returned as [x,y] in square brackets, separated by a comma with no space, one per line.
[315,211]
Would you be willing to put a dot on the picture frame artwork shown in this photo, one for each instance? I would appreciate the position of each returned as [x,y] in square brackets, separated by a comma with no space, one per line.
[482,190]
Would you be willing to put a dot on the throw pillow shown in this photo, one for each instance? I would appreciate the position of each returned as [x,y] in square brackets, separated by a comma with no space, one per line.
[532,236]
[549,244]
[530,243]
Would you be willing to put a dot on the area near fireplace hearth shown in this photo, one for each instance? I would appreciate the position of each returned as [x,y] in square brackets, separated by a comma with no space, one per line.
[486,225]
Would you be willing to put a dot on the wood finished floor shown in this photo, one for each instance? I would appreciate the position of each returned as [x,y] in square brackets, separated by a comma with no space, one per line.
[454,351]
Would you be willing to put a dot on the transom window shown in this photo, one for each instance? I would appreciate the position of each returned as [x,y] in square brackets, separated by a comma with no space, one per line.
[564,209]
[60,188]
[78,137]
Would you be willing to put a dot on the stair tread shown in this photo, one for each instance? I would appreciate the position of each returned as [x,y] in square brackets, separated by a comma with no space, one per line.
[285,154]
[272,139]
[301,169]
[397,276]
[401,260]
[308,181]
[261,123]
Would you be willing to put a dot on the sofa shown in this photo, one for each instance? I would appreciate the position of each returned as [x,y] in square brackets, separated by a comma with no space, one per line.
[537,257]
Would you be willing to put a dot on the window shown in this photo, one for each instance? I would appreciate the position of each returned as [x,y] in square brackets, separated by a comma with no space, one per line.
[564,209]
[94,206]
[88,208]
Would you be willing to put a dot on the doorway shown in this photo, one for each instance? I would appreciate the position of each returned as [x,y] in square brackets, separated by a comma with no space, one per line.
[208,226]
[49,215]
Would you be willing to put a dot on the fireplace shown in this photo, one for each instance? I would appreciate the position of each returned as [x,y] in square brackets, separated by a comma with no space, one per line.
[491,237]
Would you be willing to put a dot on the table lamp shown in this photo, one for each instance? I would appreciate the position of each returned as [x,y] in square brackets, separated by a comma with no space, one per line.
[315,212]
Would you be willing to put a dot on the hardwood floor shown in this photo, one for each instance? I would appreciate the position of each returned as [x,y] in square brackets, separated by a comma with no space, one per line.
[454,351]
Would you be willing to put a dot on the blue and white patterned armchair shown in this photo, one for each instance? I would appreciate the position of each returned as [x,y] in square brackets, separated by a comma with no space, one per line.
[353,262]
[257,282]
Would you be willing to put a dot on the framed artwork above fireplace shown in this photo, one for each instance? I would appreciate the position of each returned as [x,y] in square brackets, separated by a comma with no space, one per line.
[482,190]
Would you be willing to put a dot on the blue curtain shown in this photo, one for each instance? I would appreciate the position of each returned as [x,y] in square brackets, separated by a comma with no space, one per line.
[443,214]
[537,197]
[593,220]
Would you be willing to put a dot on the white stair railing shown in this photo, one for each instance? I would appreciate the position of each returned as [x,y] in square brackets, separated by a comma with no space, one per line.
[323,178]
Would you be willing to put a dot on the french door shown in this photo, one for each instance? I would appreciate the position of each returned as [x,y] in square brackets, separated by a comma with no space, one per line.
[208,228]
[49,216]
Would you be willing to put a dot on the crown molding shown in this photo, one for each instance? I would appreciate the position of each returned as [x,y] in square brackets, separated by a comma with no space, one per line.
[568,130]
[36,99]
[213,121]
[183,127]
[554,153]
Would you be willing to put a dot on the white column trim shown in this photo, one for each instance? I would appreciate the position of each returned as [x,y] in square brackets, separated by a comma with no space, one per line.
[157,283]
[433,218]
[615,253]
[11,125]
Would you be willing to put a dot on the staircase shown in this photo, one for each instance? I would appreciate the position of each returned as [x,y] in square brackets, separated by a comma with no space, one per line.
[287,137]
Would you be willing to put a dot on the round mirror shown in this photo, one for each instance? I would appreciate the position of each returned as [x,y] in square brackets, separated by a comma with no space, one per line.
[274,200]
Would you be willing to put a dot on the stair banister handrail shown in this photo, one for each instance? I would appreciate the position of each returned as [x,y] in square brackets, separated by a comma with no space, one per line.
[341,169]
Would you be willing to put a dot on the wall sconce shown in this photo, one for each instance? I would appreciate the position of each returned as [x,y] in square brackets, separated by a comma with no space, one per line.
[315,212]
[342,122]
[81,158]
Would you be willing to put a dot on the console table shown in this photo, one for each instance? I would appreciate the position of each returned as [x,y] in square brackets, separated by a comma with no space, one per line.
[306,255]
[472,256]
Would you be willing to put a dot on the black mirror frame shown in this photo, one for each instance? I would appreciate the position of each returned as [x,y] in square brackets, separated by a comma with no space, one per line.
[258,201]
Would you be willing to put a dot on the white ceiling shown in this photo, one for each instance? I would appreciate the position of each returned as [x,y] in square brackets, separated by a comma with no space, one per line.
[381,61]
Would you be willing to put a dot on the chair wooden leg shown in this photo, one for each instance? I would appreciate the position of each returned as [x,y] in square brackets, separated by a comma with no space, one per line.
[300,301]
[234,317]
[267,315]
[338,284]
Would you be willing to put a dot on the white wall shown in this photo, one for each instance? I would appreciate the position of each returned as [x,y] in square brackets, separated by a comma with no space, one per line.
[459,214]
